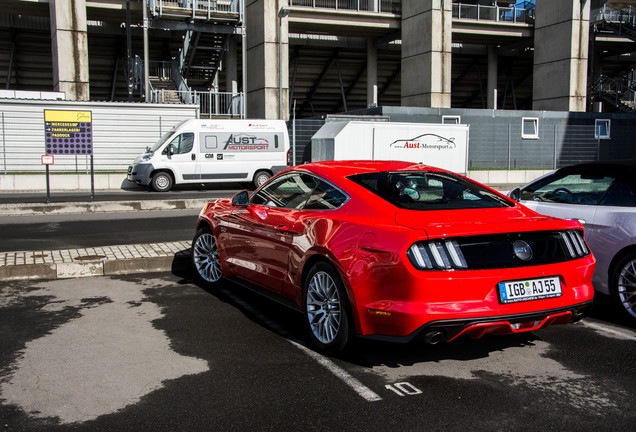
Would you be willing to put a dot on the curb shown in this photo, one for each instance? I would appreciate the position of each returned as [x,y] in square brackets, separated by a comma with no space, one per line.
[104,261]
[102,207]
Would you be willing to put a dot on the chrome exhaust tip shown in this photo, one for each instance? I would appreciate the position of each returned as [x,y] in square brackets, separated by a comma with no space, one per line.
[433,337]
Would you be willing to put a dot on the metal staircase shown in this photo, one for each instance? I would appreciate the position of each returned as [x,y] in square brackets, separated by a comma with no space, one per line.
[610,91]
[207,26]
[619,21]
[200,57]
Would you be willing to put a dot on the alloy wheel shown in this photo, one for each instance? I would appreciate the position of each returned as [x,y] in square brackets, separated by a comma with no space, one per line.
[627,287]
[206,258]
[323,307]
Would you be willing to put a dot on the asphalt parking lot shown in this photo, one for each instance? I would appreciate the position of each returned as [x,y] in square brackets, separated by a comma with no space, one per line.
[159,352]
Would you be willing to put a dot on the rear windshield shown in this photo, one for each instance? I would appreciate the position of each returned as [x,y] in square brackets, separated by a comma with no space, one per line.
[422,190]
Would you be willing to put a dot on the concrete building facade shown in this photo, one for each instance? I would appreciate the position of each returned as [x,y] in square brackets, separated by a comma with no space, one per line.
[302,58]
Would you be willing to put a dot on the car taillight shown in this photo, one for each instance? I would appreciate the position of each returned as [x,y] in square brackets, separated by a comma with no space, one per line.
[437,255]
[574,243]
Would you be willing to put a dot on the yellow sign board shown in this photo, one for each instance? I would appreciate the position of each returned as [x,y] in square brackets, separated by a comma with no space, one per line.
[68,116]
[68,132]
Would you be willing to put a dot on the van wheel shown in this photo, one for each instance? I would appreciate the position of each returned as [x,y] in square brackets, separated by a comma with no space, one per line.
[162,182]
[261,177]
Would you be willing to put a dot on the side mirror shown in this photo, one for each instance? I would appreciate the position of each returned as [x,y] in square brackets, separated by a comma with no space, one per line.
[170,150]
[515,194]
[241,199]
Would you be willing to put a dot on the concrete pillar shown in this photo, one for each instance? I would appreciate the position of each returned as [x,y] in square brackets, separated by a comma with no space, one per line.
[426,53]
[372,73]
[560,55]
[263,59]
[231,69]
[69,45]
[492,78]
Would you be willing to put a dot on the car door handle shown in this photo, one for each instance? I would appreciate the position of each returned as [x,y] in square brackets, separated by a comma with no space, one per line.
[194,156]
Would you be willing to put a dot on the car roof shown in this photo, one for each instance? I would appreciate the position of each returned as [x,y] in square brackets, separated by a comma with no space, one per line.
[352,167]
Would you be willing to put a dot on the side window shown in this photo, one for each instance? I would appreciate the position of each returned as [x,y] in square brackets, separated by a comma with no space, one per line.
[530,128]
[291,191]
[619,194]
[182,144]
[208,143]
[325,197]
[187,141]
[602,129]
[451,119]
[570,189]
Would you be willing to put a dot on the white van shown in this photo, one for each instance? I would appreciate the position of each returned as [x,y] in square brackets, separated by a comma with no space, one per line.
[203,151]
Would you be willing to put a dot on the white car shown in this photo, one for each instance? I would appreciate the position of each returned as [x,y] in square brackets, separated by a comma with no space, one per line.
[602,196]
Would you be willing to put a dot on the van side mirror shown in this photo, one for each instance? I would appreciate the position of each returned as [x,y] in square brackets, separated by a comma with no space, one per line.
[170,150]
[241,199]
[515,194]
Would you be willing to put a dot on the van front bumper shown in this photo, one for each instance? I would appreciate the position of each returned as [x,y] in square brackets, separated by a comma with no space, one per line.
[140,174]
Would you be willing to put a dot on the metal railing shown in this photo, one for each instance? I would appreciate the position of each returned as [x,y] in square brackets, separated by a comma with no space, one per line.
[380,6]
[611,90]
[513,14]
[613,14]
[211,104]
[202,9]
[160,69]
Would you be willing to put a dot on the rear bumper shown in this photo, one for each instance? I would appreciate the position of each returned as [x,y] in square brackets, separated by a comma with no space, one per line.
[449,330]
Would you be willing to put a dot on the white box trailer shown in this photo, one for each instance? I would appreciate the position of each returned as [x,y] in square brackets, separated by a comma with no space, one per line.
[440,145]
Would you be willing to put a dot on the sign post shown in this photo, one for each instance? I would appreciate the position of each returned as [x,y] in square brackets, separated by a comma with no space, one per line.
[69,133]
[48,160]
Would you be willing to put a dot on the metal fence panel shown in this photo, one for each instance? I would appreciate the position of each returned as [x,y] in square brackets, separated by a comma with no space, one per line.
[120,133]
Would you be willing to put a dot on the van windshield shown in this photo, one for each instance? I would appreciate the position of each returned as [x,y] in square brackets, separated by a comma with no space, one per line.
[161,141]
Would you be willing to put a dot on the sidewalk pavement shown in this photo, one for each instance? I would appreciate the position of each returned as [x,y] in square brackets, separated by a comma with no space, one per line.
[96,261]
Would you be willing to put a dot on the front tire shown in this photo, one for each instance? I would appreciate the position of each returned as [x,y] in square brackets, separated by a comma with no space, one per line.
[261,177]
[162,182]
[205,257]
[326,308]
[623,284]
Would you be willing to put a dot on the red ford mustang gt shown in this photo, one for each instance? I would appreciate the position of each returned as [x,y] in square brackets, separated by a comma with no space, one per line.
[396,251]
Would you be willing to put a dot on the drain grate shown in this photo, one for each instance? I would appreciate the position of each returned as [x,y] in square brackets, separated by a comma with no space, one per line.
[89,257]
[36,256]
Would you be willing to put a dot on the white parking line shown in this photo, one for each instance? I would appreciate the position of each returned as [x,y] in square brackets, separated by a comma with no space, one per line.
[343,375]
[611,331]
[364,391]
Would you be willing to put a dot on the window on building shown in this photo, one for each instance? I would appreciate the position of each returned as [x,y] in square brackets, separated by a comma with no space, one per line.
[451,119]
[530,127]
[602,129]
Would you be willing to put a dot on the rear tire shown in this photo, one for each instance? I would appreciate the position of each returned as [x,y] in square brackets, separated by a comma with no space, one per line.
[261,177]
[326,309]
[205,257]
[162,182]
[623,285]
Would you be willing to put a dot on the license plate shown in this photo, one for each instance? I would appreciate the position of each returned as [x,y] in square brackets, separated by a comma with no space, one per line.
[529,289]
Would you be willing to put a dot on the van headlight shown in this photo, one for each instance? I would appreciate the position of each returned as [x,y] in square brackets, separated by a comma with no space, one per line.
[146,157]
